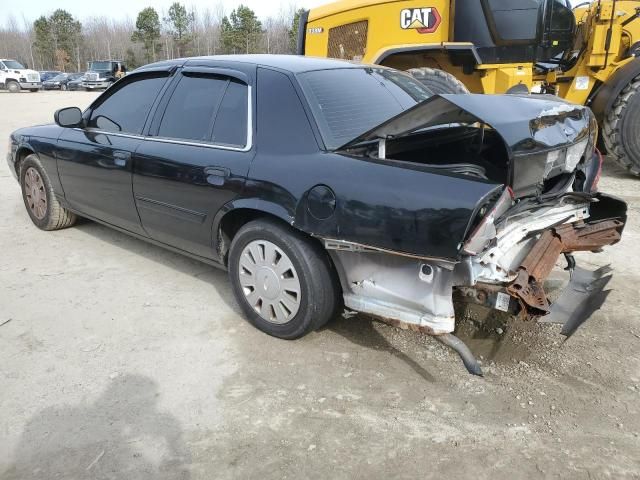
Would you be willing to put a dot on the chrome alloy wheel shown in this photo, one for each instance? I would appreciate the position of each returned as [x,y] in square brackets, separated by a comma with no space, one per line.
[269,281]
[35,193]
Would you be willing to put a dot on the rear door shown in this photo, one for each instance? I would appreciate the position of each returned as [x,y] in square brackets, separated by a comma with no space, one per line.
[195,158]
[95,163]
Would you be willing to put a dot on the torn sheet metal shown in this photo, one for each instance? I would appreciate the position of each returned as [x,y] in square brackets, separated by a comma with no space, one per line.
[584,294]
[542,257]
[403,291]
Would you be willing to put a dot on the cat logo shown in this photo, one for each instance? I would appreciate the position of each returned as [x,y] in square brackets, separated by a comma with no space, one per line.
[424,20]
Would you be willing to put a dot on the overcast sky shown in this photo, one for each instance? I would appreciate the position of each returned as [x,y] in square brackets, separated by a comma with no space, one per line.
[81,9]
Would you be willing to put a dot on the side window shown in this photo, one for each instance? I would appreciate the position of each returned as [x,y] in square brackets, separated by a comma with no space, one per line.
[191,110]
[126,109]
[230,126]
[561,16]
[207,108]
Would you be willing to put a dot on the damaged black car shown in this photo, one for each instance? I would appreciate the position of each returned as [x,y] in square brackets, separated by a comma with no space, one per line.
[321,185]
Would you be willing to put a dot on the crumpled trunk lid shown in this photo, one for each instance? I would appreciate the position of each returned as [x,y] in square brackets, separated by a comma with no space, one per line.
[530,126]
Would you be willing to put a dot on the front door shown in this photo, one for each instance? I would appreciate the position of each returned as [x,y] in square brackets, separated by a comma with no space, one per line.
[95,163]
[195,158]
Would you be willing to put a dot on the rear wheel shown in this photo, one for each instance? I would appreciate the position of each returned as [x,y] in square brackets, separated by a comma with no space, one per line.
[438,81]
[42,206]
[621,128]
[282,280]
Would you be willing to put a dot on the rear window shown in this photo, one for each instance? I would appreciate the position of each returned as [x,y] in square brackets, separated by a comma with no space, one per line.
[349,102]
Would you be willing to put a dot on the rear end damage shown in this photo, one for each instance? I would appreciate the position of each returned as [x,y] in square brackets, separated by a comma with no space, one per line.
[546,207]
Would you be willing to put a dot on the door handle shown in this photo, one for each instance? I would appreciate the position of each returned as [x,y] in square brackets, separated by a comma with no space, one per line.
[216,175]
[121,158]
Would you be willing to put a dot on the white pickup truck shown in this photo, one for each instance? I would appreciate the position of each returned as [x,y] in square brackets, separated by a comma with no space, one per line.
[15,77]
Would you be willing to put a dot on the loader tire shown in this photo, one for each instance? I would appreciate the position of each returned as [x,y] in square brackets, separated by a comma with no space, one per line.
[621,128]
[438,81]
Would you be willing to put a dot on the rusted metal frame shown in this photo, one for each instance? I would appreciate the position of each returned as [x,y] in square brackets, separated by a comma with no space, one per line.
[536,267]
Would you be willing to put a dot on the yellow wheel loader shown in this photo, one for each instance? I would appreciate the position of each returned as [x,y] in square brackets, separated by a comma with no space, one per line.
[589,54]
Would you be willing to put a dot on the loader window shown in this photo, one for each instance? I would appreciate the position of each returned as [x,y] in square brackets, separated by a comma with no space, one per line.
[562,18]
[512,20]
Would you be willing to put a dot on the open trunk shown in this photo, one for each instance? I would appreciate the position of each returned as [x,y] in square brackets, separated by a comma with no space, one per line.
[531,144]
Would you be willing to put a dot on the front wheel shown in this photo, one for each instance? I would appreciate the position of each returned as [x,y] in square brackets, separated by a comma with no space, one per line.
[63,87]
[42,206]
[283,281]
[13,87]
[438,81]
[621,128]
[33,90]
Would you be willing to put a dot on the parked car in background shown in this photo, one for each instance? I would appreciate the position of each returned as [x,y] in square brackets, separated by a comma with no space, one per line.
[15,77]
[60,82]
[48,74]
[76,84]
[320,183]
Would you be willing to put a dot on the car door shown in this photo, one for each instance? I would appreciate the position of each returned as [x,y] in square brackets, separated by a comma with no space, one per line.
[195,158]
[95,163]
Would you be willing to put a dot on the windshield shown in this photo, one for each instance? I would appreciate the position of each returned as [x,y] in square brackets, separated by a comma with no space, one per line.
[13,64]
[100,66]
[59,78]
[350,101]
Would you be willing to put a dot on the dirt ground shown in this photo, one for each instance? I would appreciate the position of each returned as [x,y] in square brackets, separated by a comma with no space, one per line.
[119,359]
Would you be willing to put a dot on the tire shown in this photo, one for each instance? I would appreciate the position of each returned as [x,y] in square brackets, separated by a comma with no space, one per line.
[52,216]
[318,290]
[63,87]
[33,90]
[621,128]
[438,81]
[13,87]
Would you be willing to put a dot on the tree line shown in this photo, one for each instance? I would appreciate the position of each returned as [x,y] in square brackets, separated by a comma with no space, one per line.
[59,41]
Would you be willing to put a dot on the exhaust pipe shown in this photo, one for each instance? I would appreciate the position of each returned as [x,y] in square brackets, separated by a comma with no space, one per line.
[470,362]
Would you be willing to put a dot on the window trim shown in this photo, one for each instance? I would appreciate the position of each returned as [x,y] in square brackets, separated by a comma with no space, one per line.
[230,74]
[216,146]
[119,85]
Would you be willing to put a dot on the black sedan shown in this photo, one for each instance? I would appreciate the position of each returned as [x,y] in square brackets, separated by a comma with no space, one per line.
[76,83]
[61,82]
[321,184]
[48,74]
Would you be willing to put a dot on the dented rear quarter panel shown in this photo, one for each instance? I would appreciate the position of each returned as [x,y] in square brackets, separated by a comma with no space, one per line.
[380,204]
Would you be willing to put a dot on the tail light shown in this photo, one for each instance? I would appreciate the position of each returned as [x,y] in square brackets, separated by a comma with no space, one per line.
[596,178]
[485,231]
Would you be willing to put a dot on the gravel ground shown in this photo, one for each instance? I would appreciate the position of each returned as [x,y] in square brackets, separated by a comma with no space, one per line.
[123,360]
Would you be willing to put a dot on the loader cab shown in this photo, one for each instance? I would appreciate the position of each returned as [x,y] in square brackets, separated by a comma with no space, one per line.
[514,31]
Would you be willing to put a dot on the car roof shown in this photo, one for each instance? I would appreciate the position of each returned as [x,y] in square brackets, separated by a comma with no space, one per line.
[291,63]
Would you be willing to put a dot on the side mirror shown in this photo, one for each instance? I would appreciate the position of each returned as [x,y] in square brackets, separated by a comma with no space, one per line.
[68,117]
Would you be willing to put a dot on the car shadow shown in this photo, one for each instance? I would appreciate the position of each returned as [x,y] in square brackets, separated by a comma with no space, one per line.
[360,330]
[208,273]
[121,435]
